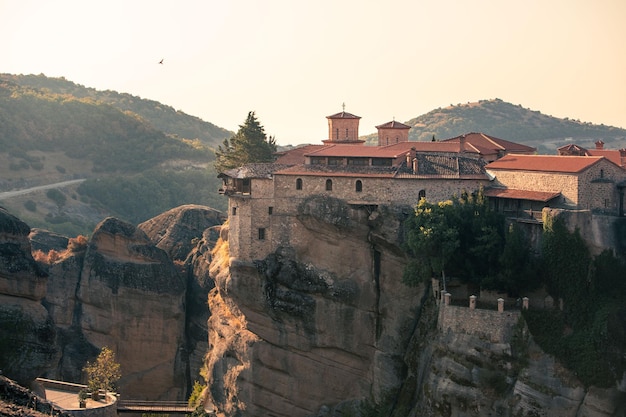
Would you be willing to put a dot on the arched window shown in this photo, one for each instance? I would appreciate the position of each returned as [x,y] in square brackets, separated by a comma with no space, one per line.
[299,184]
[422,194]
[329,185]
[358,186]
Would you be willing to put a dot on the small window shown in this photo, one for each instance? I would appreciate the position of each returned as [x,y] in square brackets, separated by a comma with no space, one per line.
[261,233]
[422,194]
[329,185]
[358,186]
[601,173]
[299,184]
[346,133]
[234,211]
[270,210]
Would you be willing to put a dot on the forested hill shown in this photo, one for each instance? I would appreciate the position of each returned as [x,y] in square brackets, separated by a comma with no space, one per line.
[132,169]
[160,116]
[511,122]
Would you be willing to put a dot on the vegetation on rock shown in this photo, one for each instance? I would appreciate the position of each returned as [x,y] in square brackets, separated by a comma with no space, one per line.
[463,238]
[250,144]
[588,333]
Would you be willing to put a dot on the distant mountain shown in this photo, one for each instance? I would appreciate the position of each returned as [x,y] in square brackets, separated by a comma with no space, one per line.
[52,131]
[160,116]
[511,122]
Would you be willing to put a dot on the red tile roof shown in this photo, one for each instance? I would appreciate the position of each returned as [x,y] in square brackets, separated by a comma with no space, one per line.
[548,163]
[343,115]
[481,140]
[475,143]
[543,196]
[610,154]
[390,151]
[296,156]
[393,125]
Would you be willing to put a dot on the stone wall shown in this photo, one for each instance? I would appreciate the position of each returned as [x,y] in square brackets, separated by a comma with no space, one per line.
[592,189]
[375,190]
[273,204]
[597,189]
[491,325]
[566,184]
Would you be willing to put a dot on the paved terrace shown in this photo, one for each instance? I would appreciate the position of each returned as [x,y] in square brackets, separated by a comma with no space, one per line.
[65,395]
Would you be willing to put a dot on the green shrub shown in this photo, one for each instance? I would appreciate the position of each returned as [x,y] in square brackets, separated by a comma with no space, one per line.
[36,165]
[57,196]
[30,205]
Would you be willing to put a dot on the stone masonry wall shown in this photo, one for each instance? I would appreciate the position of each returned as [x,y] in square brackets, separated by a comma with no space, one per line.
[375,190]
[566,184]
[592,189]
[262,209]
[492,325]
[597,187]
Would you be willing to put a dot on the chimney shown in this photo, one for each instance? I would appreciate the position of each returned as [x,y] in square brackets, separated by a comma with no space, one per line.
[599,145]
[415,167]
[462,143]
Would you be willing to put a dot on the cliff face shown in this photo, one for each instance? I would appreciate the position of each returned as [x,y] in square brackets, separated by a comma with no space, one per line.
[320,322]
[27,333]
[118,290]
[188,234]
[325,322]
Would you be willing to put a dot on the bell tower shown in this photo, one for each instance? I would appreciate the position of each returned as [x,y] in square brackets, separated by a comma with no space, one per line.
[392,132]
[343,128]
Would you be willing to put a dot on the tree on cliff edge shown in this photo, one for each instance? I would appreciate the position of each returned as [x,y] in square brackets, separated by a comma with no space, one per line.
[250,144]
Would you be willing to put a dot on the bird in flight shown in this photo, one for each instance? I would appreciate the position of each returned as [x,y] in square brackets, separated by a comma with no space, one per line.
[161,61]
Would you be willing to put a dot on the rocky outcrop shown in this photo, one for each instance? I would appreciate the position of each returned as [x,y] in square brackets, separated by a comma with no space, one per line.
[130,297]
[16,401]
[325,323]
[45,240]
[27,334]
[118,290]
[177,231]
[319,322]
[188,234]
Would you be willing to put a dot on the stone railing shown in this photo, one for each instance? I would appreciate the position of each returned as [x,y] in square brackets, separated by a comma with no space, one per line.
[493,325]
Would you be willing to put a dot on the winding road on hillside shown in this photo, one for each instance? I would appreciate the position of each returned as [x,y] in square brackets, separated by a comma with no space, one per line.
[15,193]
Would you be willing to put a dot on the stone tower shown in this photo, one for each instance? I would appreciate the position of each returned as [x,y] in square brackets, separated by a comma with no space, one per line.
[392,132]
[343,128]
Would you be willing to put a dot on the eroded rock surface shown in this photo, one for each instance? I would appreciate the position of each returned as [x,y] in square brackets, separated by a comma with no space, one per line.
[27,334]
[118,290]
[322,321]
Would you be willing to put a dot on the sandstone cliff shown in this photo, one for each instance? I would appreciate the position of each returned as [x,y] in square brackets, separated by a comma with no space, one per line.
[188,234]
[324,323]
[118,290]
[27,333]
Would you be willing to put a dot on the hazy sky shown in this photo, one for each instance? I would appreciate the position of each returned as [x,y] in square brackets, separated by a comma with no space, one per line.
[295,62]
